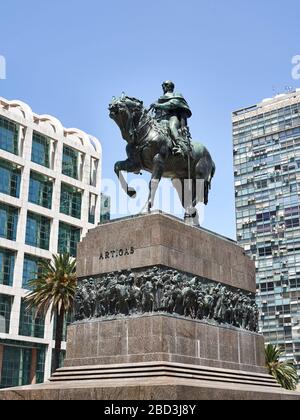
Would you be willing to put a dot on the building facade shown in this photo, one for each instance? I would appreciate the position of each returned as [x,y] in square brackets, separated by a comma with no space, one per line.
[105,208]
[266,141]
[49,198]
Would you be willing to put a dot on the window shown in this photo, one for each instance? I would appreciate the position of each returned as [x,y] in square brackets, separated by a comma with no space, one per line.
[40,190]
[264,252]
[70,201]
[262,184]
[10,178]
[9,133]
[17,364]
[292,223]
[92,208]
[70,162]
[68,238]
[31,325]
[7,264]
[265,217]
[94,170]
[264,228]
[292,211]
[37,231]
[293,188]
[40,364]
[62,357]
[40,150]
[69,319]
[31,268]
[5,310]
[270,287]
[16,367]
[8,222]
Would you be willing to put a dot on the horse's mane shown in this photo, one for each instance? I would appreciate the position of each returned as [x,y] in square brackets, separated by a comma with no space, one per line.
[131,98]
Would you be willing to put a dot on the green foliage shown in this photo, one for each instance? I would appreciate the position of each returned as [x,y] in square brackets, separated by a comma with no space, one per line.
[284,372]
[54,286]
[54,289]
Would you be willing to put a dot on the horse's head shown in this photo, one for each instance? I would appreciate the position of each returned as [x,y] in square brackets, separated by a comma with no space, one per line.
[124,107]
[126,112]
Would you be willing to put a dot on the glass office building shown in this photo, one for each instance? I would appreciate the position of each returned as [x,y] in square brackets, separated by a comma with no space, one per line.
[266,140]
[105,208]
[49,198]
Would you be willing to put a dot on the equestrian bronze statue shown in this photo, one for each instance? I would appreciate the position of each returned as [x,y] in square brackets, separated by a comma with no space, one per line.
[161,144]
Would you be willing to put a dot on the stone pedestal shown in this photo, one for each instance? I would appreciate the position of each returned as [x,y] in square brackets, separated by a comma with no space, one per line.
[155,334]
[162,338]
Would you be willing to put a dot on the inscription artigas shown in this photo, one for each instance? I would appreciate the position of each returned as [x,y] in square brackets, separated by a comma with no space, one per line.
[118,253]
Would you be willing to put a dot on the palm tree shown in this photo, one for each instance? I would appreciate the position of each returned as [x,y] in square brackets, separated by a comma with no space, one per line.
[284,372]
[54,288]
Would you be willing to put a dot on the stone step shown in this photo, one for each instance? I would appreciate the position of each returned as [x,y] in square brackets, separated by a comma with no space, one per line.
[164,374]
[170,370]
[149,365]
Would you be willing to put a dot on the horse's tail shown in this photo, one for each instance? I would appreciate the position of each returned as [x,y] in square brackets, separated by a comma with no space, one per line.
[212,174]
[207,183]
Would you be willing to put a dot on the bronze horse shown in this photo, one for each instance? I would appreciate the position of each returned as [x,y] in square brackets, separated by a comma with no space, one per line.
[149,148]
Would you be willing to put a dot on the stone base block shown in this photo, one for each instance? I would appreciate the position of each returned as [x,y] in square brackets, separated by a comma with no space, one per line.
[162,240]
[163,338]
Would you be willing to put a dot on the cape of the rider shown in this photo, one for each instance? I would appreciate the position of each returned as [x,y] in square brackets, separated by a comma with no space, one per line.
[175,102]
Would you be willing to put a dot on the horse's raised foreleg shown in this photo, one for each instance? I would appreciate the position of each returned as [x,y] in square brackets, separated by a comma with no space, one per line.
[157,173]
[127,166]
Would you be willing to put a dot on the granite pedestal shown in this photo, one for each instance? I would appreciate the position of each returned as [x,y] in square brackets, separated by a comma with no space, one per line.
[160,355]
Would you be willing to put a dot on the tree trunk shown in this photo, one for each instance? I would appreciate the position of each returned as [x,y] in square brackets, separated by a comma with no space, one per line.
[58,338]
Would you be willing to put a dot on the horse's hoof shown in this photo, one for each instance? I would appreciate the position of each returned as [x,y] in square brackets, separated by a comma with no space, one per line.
[192,219]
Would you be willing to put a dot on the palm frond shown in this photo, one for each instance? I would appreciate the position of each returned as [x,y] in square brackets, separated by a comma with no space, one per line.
[54,285]
[284,372]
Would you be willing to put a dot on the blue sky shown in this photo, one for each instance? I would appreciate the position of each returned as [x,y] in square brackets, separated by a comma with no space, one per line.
[69,57]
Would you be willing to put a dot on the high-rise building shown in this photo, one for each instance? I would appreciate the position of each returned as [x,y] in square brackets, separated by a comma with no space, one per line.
[49,198]
[105,208]
[266,141]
